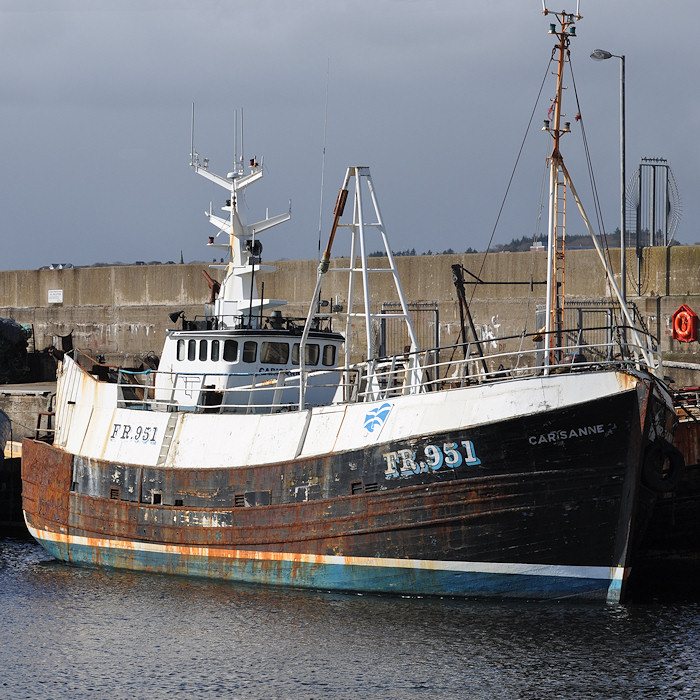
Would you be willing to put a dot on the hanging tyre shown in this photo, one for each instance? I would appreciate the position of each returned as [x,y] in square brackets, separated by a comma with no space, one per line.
[663,467]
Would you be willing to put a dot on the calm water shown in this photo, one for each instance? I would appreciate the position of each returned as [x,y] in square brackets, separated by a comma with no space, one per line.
[70,632]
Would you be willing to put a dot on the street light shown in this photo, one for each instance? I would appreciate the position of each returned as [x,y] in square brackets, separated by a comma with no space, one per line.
[602,55]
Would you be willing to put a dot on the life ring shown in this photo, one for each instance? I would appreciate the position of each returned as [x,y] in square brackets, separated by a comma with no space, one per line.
[683,326]
[663,467]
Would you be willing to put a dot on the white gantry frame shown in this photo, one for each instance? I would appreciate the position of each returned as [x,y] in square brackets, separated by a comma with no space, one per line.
[365,219]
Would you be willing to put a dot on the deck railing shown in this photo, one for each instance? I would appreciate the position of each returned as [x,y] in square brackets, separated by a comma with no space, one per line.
[439,369]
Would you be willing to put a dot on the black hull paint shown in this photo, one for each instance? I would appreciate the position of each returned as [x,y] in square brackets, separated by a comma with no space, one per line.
[560,488]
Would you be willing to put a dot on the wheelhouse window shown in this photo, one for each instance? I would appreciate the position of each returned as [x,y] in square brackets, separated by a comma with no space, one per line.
[203,350]
[250,351]
[312,354]
[231,351]
[272,353]
[215,350]
[180,349]
[329,355]
[191,349]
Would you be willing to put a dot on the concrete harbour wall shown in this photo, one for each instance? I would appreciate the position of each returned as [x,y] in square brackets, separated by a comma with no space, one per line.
[122,312]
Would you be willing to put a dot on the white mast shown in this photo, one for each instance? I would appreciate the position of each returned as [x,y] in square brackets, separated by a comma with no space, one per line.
[358,228]
[362,220]
[238,302]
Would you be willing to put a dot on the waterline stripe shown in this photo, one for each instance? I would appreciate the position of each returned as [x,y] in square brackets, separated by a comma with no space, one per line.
[603,573]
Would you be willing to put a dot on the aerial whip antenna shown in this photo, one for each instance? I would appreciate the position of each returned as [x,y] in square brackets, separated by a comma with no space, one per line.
[323,157]
[235,140]
[192,137]
[545,11]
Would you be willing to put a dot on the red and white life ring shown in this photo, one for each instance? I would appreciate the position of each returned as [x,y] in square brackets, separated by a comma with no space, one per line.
[685,324]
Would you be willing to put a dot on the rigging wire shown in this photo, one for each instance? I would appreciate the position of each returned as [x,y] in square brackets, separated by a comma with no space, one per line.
[512,175]
[533,254]
[540,206]
[591,175]
[589,166]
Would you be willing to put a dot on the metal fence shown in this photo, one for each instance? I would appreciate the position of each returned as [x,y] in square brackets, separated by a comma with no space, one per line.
[392,333]
[591,323]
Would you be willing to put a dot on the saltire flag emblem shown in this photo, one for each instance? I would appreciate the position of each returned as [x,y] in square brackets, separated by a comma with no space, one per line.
[377,416]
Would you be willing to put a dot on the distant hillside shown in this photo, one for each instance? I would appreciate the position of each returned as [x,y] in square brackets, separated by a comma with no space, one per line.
[580,242]
[413,251]
[576,242]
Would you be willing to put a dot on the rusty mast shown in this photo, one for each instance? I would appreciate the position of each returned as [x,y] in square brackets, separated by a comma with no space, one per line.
[564,28]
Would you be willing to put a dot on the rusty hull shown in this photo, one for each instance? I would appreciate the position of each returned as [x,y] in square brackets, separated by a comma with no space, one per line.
[533,502]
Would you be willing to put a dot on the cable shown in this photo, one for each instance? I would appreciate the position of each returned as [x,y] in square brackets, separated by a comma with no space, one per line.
[512,175]
[594,189]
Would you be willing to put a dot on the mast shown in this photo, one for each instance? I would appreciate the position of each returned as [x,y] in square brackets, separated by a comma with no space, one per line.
[559,181]
[237,302]
[564,28]
[363,219]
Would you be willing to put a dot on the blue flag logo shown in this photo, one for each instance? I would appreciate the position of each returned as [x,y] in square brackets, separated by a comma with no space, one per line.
[377,416]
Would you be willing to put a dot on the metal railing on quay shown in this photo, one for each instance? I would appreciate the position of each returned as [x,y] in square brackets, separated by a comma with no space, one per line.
[687,403]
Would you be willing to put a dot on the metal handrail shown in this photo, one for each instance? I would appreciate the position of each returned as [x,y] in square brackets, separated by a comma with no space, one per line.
[379,378]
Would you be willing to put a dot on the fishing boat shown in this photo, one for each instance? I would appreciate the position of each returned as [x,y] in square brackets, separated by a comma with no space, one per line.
[268,449]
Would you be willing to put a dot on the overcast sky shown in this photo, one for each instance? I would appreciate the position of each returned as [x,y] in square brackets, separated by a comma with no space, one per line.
[433,95]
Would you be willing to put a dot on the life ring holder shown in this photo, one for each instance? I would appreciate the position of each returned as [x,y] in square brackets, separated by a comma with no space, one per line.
[685,324]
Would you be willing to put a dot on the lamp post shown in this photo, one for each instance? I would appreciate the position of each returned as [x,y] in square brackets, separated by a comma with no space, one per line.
[601,55]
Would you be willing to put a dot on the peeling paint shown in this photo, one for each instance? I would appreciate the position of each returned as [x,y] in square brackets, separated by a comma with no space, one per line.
[490,332]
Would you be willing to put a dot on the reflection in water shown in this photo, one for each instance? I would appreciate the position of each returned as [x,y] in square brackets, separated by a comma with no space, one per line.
[71,631]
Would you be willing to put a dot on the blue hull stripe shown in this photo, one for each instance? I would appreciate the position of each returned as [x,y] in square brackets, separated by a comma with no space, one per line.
[334,572]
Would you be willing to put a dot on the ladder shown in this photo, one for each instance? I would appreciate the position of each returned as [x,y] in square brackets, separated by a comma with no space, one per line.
[167,438]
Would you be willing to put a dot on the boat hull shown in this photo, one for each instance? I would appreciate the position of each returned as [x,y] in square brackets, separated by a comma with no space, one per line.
[547,505]
[355,574]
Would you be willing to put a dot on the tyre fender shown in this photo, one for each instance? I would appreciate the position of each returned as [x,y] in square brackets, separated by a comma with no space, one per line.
[663,467]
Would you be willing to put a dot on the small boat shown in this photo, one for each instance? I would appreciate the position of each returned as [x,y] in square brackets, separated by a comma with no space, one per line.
[674,530]
[269,449]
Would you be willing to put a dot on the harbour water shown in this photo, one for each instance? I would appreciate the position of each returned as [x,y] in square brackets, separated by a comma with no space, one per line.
[97,633]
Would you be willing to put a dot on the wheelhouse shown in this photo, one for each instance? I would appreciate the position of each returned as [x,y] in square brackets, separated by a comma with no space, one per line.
[211,369]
